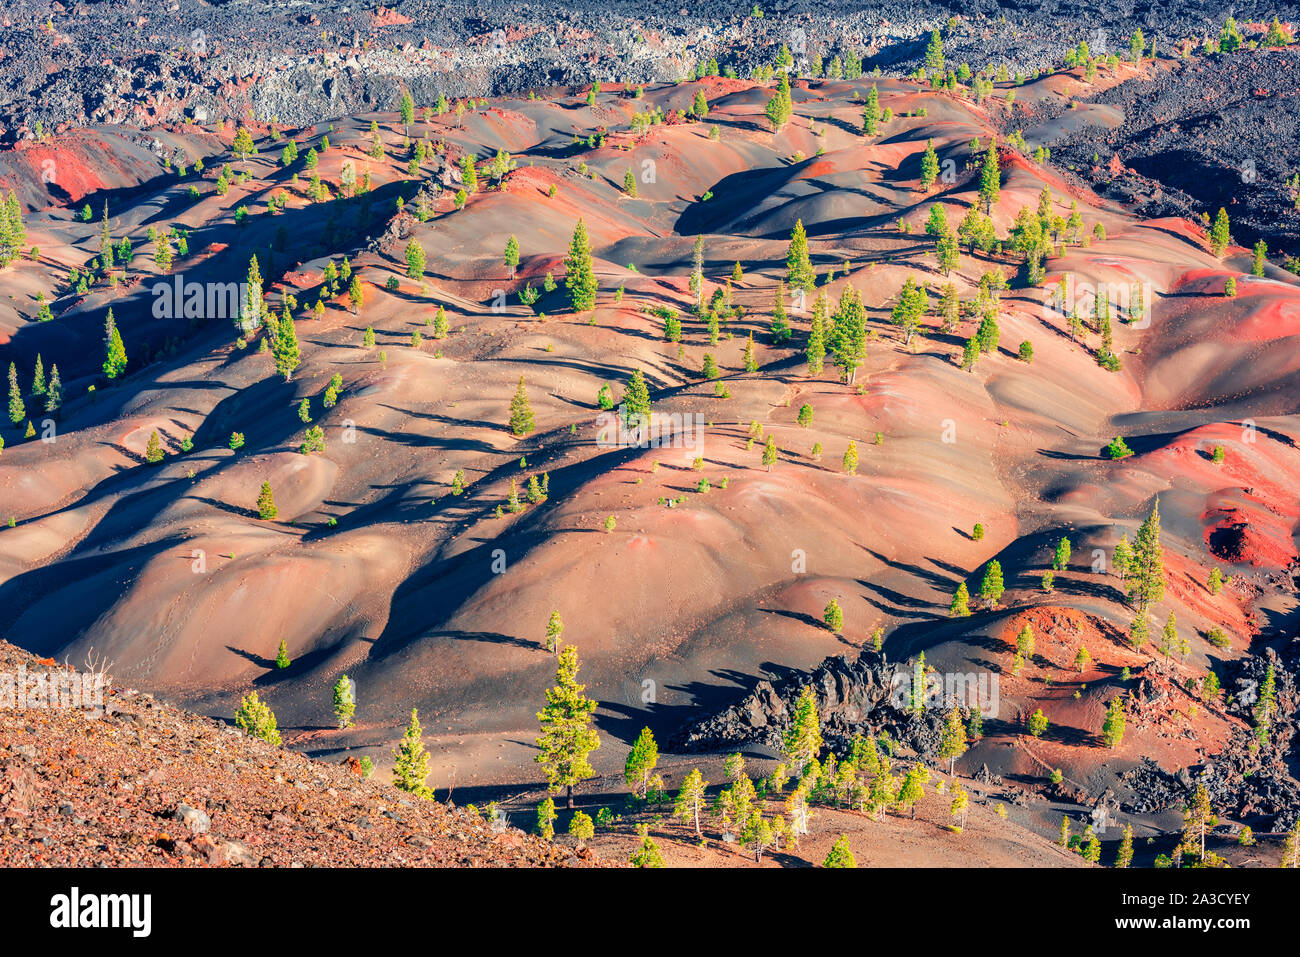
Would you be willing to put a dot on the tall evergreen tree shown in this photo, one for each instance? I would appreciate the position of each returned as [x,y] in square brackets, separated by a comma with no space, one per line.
[641,761]
[636,402]
[415,260]
[17,408]
[54,391]
[690,799]
[909,309]
[521,413]
[566,737]
[815,352]
[770,453]
[697,272]
[1198,820]
[799,269]
[849,335]
[780,327]
[285,345]
[345,701]
[512,255]
[929,165]
[803,738]
[960,607]
[871,112]
[114,349]
[934,53]
[1112,728]
[952,742]
[1124,856]
[580,277]
[990,180]
[1219,235]
[834,616]
[780,107]
[243,146]
[252,308]
[991,587]
[1144,573]
[913,788]
[554,629]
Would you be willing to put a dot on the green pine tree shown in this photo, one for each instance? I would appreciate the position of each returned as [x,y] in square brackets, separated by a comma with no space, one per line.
[415,260]
[345,701]
[834,616]
[114,350]
[840,855]
[929,165]
[17,408]
[641,761]
[411,764]
[848,339]
[647,855]
[1124,856]
[521,413]
[991,587]
[580,274]
[54,391]
[566,736]
[952,743]
[1219,233]
[990,180]
[1112,728]
[511,255]
[960,607]
[266,509]
[690,799]
[799,270]
[803,738]
[934,53]
[554,629]
[636,402]
[256,719]
[285,345]
[871,112]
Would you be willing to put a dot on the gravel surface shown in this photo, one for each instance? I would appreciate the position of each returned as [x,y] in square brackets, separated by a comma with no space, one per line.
[149,785]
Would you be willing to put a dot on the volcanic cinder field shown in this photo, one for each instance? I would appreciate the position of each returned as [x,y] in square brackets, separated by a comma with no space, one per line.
[685,571]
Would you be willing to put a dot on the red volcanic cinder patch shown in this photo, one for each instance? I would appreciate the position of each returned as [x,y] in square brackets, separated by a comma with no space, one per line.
[1275,318]
[70,172]
[1260,539]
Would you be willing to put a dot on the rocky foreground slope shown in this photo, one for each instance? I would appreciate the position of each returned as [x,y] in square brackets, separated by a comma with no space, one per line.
[147,784]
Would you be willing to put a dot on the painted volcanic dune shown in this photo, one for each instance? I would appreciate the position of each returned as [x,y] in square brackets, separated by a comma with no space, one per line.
[688,572]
